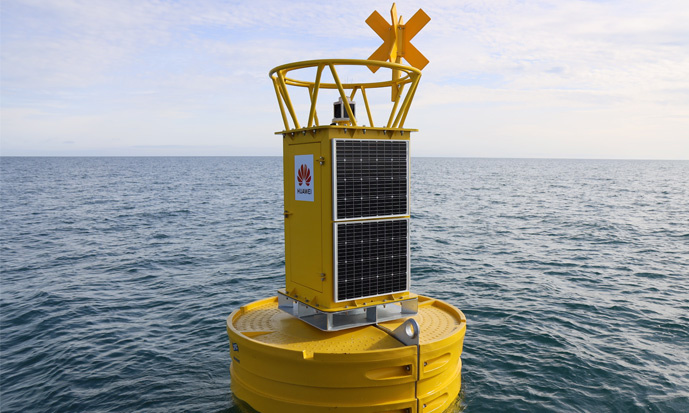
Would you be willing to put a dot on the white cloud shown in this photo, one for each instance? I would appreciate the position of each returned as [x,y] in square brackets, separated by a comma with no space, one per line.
[546,78]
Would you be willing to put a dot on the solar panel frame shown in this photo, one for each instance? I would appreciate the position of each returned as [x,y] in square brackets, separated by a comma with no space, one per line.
[392,273]
[378,174]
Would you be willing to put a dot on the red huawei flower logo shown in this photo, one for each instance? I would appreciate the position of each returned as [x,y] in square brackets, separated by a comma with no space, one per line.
[304,175]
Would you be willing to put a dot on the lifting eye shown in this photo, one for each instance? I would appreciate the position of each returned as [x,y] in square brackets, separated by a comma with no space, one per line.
[410,330]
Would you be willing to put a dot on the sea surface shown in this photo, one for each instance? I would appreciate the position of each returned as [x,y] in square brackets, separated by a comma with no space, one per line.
[117,275]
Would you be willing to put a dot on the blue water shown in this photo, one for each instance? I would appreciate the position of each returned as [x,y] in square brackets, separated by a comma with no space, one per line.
[118,274]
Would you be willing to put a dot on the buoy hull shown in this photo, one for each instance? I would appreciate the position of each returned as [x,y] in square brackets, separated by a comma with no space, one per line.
[281,364]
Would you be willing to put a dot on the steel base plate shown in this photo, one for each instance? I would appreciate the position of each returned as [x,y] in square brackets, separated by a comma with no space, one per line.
[342,320]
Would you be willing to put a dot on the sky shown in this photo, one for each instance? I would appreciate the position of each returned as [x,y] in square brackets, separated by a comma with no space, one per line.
[601,79]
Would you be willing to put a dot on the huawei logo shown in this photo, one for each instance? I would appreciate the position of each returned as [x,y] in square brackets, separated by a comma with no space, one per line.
[304,175]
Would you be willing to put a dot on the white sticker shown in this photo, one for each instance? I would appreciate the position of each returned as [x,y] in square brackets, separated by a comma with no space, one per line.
[303,178]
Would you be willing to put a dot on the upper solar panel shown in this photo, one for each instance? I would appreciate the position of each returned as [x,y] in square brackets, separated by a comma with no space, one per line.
[371,178]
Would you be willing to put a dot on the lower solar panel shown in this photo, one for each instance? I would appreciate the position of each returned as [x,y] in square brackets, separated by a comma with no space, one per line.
[372,258]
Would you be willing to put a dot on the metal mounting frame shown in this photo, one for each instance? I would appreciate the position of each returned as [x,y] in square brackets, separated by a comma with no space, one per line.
[344,319]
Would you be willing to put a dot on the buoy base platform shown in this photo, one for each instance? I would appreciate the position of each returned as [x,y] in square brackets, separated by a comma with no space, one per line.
[281,364]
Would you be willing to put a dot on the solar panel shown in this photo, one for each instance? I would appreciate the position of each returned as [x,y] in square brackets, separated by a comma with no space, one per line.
[372,258]
[371,178]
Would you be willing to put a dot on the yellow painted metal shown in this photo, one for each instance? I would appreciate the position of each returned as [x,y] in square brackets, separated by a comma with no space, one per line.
[394,108]
[407,101]
[351,95]
[282,106]
[285,96]
[314,95]
[397,38]
[406,104]
[343,96]
[368,108]
[281,364]
[405,75]
[397,41]
[309,260]
[304,266]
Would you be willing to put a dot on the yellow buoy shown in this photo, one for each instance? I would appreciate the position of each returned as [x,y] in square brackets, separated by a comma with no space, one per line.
[346,333]
[281,364]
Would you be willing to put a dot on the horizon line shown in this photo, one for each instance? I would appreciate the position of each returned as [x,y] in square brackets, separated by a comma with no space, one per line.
[280,156]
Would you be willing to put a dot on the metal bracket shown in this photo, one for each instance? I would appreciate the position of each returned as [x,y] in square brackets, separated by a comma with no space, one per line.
[342,320]
[407,333]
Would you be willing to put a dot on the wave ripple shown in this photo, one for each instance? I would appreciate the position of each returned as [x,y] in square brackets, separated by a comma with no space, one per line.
[118,274]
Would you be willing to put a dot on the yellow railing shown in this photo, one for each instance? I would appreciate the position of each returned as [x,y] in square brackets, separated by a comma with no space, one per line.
[401,101]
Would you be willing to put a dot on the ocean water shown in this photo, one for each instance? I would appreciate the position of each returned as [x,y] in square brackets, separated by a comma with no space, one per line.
[117,275]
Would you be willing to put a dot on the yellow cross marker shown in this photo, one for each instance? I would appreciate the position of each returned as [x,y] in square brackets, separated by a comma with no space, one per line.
[397,40]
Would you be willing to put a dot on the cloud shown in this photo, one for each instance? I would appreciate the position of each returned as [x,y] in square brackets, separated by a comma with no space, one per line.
[107,73]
